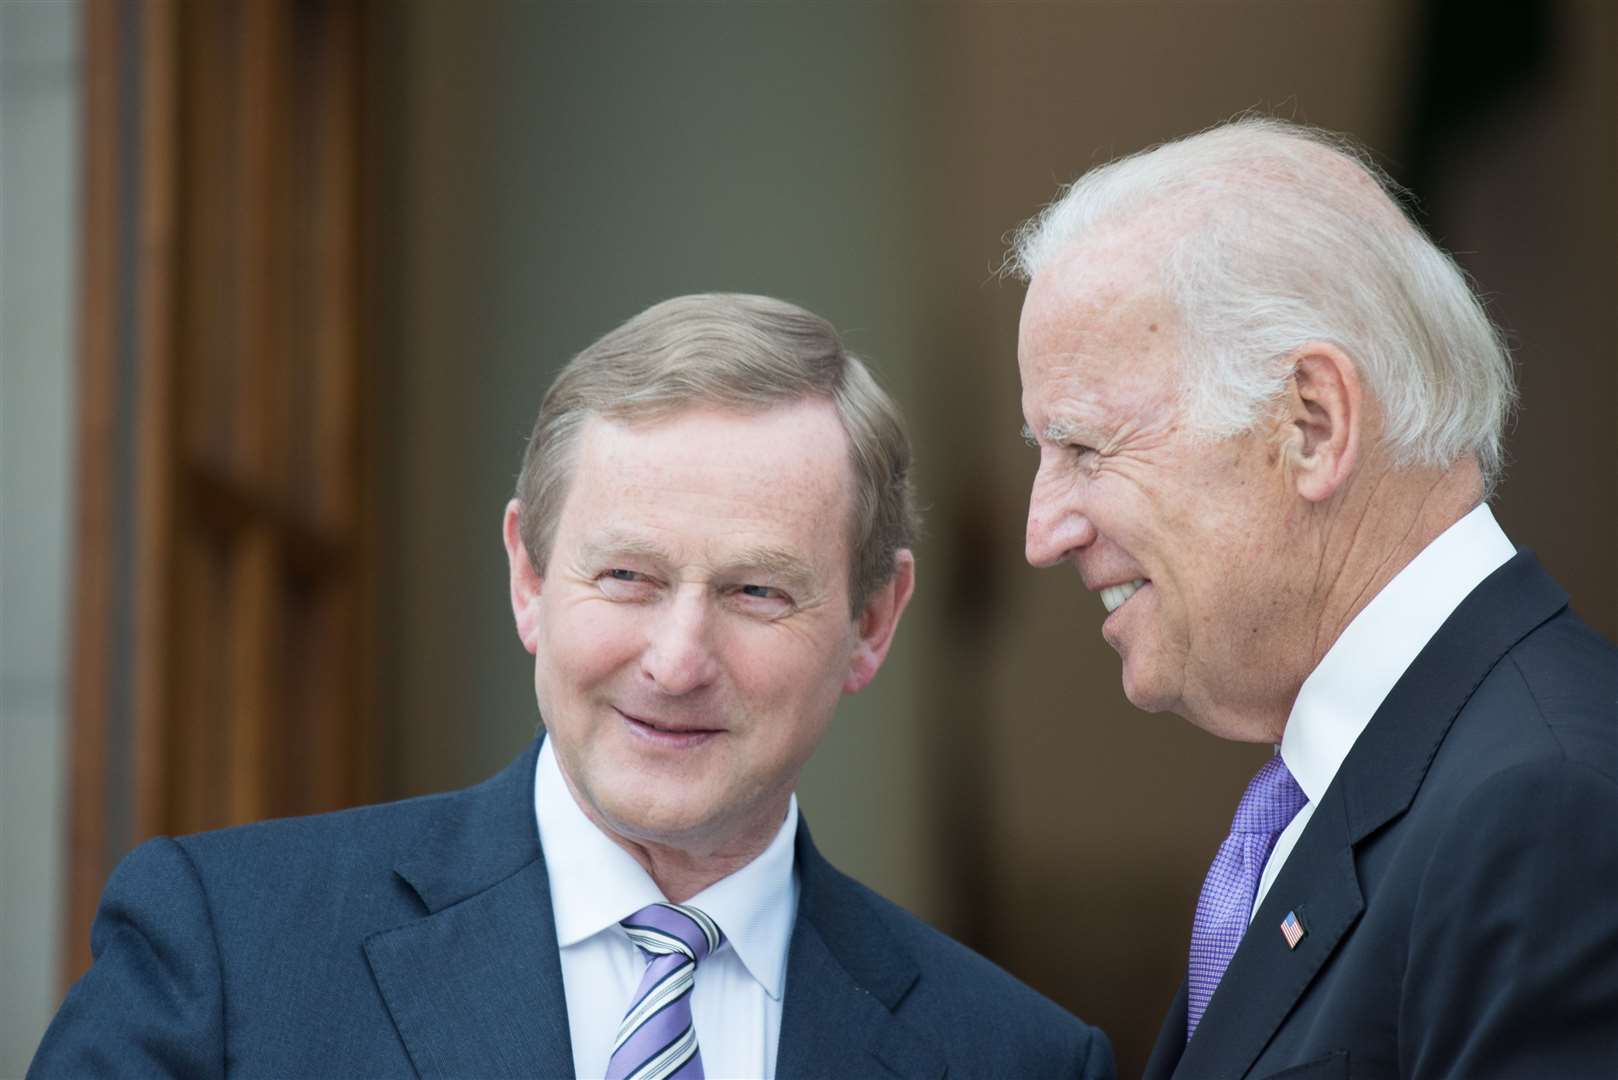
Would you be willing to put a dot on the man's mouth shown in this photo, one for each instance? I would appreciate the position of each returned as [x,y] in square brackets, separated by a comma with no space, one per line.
[1113,596]
[665,728]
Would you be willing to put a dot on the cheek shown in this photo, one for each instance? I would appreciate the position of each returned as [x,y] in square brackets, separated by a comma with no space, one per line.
[778,672]
[1130,518]
[757,668]
[582,643]
[1230,599]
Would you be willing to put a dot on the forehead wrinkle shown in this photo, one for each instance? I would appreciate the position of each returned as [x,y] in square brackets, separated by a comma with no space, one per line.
[1068,413]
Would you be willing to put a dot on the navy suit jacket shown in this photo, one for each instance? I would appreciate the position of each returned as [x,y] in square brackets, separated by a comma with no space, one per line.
[417,939]
[1458,883]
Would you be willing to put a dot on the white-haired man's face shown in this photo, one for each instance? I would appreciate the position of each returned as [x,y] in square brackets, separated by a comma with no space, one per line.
[1184,538]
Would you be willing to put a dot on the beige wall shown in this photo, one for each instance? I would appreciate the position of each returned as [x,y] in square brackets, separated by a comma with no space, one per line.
[547,171]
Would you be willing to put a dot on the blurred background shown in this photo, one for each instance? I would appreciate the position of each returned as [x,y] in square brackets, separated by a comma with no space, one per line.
[282,283]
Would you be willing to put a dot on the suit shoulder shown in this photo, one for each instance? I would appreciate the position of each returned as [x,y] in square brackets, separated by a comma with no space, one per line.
[1552,698]
[323,880]
[1570,674]
[1546,778]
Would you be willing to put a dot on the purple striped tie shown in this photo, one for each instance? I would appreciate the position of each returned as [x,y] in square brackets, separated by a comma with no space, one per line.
[656,1039]
[1226,904]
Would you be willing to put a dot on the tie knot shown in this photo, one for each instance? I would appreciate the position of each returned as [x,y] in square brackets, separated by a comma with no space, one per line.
[1271,800]
[662,929]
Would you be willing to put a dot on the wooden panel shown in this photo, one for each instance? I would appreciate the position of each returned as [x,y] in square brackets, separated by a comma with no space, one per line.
[94,524]
[334,278]
[123,518]
[154,457]
[198,746]
[250,629]
[220,645]
[210,181]
[260,238]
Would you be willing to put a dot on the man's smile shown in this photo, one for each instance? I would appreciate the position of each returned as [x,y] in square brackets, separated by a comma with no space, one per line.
[672,734]
[1113,596]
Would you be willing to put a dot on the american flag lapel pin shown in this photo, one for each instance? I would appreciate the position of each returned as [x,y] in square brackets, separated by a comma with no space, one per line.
[1292,929]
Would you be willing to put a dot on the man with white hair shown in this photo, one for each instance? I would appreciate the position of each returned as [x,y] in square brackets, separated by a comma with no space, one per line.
[1268,413]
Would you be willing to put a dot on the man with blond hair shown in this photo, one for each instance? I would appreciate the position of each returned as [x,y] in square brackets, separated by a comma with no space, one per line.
[1268,412]
[708,547]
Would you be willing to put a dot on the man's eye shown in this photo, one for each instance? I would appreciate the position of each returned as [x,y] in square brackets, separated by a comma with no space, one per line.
[621,584]
[1080,450]
[763,600]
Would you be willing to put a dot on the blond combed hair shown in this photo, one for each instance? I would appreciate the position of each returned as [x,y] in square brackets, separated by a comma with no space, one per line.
[736,352]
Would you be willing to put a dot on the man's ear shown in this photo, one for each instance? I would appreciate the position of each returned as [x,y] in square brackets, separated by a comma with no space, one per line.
[525,580]
[1324,411]
[878,621]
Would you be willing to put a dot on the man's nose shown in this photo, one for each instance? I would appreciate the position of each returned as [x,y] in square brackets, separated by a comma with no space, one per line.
[1056,529]
[679,656]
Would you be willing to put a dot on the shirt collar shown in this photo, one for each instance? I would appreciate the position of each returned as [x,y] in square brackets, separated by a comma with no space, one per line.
[757,906]
[595,883]
[1340,696]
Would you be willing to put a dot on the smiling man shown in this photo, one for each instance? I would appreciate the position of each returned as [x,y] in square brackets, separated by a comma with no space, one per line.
[709,547]
[1268,412]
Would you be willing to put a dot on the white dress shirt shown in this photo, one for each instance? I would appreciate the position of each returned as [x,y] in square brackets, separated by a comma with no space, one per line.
[1339,697]
[736,1003]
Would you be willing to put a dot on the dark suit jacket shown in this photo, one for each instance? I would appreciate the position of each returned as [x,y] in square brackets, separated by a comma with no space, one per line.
[417,938]
[1458,882]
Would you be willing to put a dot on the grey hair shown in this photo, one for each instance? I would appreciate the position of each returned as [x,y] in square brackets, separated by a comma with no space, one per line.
[1285,235]
[736,352]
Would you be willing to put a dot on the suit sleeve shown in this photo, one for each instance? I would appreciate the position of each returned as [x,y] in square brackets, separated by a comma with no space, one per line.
[151,1003]
[1098,1061]
[1513,953]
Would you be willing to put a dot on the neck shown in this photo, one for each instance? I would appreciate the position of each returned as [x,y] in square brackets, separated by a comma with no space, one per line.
[1383,523]
[680,874]
[1339,555]
[683,865]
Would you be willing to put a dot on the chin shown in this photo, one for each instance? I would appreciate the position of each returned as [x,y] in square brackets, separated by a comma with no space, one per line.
[1149,704]
[660,823]
[1144,694]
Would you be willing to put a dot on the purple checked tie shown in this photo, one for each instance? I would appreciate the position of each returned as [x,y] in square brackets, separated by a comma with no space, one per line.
[1271,800]
[656,1039]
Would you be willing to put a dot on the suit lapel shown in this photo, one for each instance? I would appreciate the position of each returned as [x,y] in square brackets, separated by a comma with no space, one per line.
[475,987]
[1170,1043]
[845,977]
[1265,977]
[1376,784]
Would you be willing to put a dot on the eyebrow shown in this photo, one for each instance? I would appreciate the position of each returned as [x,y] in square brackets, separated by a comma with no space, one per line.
[1056,431]
[773,562]
[777,563]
